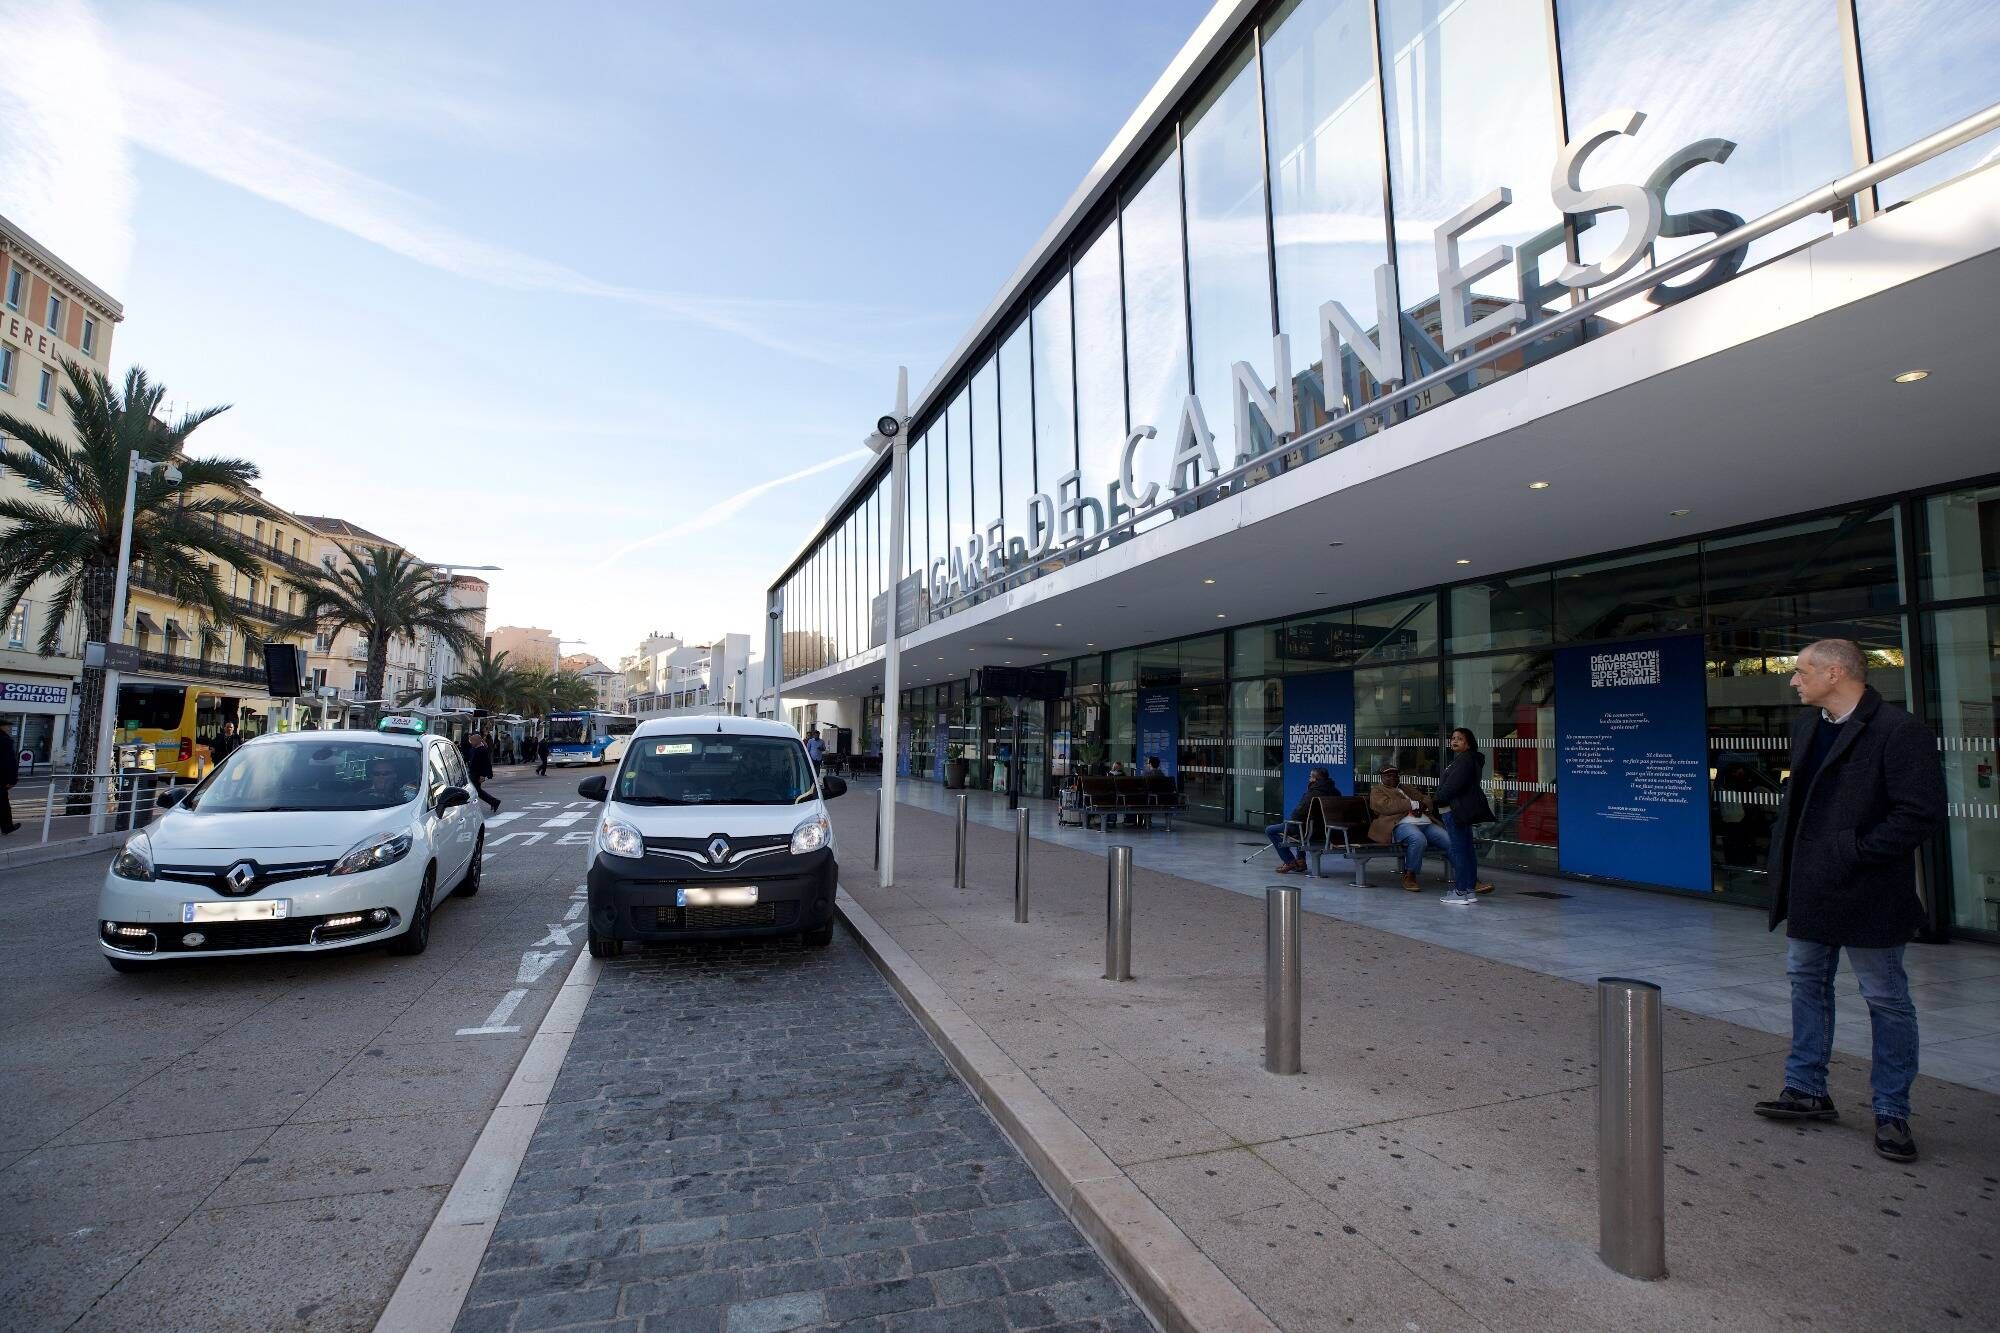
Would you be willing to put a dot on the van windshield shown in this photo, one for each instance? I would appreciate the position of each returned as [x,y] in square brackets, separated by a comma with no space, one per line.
[714,770]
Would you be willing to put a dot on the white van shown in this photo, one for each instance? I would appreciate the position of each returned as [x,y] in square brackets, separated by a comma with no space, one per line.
[711,827]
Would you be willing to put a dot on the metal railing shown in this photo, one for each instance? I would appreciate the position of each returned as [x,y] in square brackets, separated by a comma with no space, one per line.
[70,806]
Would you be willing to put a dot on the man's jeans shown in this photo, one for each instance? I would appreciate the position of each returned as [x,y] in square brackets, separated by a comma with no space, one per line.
[1893,1017]
[1415,838]
[1286,853]
[1464,860]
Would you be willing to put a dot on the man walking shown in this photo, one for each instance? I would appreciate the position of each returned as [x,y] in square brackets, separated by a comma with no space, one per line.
[542,757]
[224,745]
[479,765]
[1866,789]
[10,773]
[815,750]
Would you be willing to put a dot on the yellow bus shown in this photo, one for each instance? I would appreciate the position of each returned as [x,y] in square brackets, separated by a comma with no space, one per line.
[167,727]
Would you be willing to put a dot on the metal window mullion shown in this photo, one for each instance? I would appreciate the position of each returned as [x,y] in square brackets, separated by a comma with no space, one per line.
[1854,84]
[1329,374]
[1264,174]
[1559,93]
[1187,267]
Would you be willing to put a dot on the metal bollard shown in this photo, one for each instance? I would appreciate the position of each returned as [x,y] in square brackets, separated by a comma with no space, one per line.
[958,872]
[1281,980]
[1020,866]
[1118,916]
[1631,1160]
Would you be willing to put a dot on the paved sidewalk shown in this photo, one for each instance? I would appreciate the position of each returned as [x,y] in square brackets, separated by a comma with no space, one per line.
[753,1137]
[1434,1166]
[1707,957]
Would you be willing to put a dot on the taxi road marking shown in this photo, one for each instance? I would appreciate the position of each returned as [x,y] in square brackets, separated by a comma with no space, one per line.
[535,962]
[575,911]
[558,934]
[528,838]
[564,820]
[493,821]
[495,1023]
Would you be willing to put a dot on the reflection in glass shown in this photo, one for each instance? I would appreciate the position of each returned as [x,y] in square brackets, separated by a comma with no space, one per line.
[1844,564]
[1257,750]
[1397,722]
[1765,76]
[1396,630]
[940,510]
[1017,433]
[1156,364]
[1501,613]
[1962,544]
[1229,270]
[1326,179]
[1470,110]
[917,538]
[1508,700]
[1658,592]
[1964,689]
[1055,389]
[958,453]
[1926,64]
[986,501]
[1100,367]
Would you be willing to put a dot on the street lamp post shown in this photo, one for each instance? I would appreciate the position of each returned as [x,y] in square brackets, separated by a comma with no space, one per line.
[437,640]
[135,467]
[891,430]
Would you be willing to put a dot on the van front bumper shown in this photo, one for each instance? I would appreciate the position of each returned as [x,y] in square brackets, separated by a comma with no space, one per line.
[639,899]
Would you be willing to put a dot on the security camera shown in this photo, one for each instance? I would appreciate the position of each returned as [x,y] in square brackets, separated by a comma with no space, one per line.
[889,426]
[173,475]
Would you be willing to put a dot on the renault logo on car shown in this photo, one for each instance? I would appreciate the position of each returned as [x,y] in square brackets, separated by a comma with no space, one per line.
[241,876]
[718,849]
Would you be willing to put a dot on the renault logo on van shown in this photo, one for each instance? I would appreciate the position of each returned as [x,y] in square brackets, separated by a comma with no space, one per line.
[718,849]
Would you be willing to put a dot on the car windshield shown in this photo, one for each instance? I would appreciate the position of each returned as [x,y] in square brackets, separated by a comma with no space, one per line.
[331,775]
[714,770]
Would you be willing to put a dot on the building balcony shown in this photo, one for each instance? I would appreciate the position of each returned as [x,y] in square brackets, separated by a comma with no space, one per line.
[195,668]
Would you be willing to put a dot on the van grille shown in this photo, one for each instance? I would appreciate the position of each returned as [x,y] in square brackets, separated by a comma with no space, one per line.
[714,918]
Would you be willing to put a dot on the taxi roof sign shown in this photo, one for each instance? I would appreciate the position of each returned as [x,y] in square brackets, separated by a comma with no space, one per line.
[404,722]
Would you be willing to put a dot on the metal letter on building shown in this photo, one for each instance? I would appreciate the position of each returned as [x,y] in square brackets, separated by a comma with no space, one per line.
[1071,507]
[1456,276]
[1041,525]
[1247,390]
[1194,448]
[1382,355]
[1566,187]
[1125,477]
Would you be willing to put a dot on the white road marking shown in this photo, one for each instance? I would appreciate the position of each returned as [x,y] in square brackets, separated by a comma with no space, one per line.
[575,911]
[534,963]
[588,805]
[563,820]
[529,838]
[558,934]
[495,1021]
[543,805]
[494,821]
[576,839]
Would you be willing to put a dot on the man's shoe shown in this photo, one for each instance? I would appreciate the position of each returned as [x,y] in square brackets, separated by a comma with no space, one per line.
[1791,1104]
[1457,899]
[1410,883]
[1482,887]
[1894,1141]
[1291,868]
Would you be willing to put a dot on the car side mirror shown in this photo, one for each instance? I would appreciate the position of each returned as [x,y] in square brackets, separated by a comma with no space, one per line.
[830,787]
[592,788]
[171,797]
[453,797]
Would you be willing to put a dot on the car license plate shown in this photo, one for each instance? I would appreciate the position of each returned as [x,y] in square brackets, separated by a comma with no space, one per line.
[263,909]
[743,895]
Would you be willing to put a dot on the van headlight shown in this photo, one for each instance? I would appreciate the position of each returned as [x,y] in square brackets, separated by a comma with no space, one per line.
[134,859]
[615,837]
[811,835]
[372,853]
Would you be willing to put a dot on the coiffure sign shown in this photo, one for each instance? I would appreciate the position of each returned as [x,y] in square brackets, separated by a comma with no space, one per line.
[1066,517]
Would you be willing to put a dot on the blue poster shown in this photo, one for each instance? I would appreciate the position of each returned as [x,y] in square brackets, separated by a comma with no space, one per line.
[1319,732]
[903,745]
[1632,762]
[940,742]
[1159,729]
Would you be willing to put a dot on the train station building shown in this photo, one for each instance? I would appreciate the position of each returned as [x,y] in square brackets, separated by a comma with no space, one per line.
[1550,369]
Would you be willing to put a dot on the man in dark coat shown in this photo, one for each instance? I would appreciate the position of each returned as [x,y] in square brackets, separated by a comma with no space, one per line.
[479,766]
[10,773]
[542,757]
[1320,788]
[224,745]
[1866,789]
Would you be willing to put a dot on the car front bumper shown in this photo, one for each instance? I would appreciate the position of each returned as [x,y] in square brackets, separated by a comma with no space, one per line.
[636,899]
[312,922]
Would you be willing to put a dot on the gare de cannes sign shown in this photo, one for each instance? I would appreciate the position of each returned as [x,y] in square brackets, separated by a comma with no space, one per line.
[1066,517]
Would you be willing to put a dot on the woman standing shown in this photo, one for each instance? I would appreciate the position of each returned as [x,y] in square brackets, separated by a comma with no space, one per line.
[1461,798]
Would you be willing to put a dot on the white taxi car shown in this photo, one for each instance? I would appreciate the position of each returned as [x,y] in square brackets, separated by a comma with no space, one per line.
[712,826]
[298,843]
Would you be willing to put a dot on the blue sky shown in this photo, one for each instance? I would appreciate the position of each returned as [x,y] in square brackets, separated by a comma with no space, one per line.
[553,288]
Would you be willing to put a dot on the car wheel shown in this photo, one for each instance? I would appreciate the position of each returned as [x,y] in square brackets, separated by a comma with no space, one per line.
[470,884]
[413,939]
[818,937]
[125,965]
[601,947]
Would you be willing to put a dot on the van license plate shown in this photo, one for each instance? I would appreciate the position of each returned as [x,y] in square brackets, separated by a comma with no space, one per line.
[264,909]
[740,896]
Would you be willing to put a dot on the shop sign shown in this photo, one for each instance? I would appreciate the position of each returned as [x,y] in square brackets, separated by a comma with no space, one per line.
[1063,516]
[42,696]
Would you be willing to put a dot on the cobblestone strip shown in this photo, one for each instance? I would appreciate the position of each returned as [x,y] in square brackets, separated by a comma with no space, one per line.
[755,1137]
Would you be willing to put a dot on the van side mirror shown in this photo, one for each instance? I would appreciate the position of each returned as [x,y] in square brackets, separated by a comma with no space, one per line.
[591,788]
[171,797]
[830,787]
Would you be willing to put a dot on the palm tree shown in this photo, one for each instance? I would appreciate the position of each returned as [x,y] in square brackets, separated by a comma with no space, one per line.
[539,692]
[67,526]
[383,593]
[486,680]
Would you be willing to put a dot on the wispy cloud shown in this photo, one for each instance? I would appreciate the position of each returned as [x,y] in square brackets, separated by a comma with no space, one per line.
[723,510]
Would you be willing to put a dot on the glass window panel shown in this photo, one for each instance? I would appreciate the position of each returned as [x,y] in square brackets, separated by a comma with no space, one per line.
[1100,365]
[1396,630]
[917,552]
[940,511]
[1156,365]
[1122,668]
[1508,701]
[1158,666]
[986,499]
[1055,389]
[1658,592]
[1201,659]
[1017,432]
[1501,613]
[1927,63]
[1964,689]
[1318,642]
[1824,568]
[1470,109]
[1254,651]
[958,450]
[1257,751]
[1397,722]
[1326,180]
[1229,270]
[1962,544]
[1766,76]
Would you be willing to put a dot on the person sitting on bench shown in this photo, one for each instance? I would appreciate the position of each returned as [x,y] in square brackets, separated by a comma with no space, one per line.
[1319,787]
[1400,817]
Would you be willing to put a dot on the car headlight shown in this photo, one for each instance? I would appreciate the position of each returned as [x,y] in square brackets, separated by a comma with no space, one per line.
[372,853]
[617,838]
[134,859]
[811,835]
